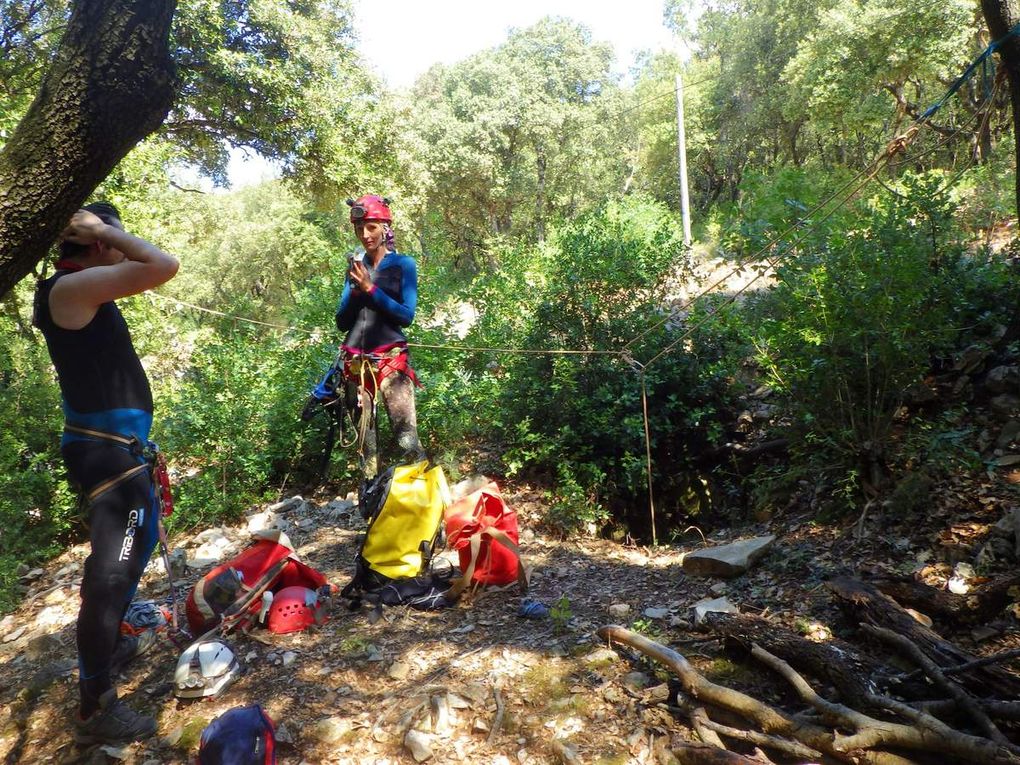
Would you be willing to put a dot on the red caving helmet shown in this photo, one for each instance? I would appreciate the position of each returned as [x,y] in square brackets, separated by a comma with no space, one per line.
[295,608]
[370,207]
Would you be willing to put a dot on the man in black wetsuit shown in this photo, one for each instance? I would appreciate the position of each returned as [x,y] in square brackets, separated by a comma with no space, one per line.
[107,407]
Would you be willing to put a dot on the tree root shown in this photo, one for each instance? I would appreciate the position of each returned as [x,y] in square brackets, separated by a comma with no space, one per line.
[865,739]
[964,699]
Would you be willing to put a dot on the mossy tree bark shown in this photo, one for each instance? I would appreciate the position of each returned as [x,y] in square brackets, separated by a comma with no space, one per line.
[110,84]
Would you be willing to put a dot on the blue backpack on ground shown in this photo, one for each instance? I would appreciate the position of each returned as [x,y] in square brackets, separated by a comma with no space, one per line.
[239,736]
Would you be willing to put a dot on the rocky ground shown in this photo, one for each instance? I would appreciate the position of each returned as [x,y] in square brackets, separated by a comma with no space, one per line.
[478,683]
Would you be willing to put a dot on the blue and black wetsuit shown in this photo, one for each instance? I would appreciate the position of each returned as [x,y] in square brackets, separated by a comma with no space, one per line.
[374,323]
[104,388]
[376,320]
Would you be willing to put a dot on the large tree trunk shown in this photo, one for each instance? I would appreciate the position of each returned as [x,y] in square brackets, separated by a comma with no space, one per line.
[110,85]
[1001,16]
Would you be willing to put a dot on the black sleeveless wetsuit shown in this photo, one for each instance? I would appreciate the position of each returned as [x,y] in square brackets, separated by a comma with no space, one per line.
[104,387]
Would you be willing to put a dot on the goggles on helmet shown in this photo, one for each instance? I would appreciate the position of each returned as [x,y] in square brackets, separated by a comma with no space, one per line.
[370,207]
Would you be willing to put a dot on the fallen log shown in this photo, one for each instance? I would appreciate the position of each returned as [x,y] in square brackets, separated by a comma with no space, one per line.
[853,674]
[927,734]
[850,736]
[870,606]
[976,607]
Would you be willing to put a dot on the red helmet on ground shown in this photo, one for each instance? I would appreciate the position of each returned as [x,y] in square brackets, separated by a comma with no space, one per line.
[295,608]
[370,207]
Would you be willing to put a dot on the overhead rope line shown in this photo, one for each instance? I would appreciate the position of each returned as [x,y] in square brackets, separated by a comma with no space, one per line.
[232,317]
[895,146]
[968,73]
[981,114]
[972,158]
[462,348]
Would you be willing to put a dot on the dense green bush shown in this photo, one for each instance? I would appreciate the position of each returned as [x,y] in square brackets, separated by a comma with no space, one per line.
[230,420]
[36,511]
[771,202]
[860,310]
[576,419]
[857,318]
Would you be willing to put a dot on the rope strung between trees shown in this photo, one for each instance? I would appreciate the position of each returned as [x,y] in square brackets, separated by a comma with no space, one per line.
[968,73]
[895,146]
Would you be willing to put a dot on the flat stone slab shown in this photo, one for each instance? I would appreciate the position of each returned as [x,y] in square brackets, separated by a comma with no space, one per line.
[727,560]
[715,605]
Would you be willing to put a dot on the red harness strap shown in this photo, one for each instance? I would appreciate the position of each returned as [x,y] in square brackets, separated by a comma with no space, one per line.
[398,363]
[381,368]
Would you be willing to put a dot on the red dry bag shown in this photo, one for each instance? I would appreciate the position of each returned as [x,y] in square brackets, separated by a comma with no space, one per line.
[484,532]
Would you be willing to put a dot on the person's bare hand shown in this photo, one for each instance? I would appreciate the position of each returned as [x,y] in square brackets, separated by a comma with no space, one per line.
[360,277]
[85,228]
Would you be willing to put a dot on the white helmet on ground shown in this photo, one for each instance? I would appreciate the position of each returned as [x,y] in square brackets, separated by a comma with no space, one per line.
[205,669]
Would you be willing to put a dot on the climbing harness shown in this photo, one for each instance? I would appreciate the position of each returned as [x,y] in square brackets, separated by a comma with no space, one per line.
[365,373]
[155,463]
[329,398]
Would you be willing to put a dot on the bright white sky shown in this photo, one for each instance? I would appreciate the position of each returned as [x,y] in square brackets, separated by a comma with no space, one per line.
[401,39]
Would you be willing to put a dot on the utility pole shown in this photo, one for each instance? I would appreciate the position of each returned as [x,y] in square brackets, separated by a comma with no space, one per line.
[681,150]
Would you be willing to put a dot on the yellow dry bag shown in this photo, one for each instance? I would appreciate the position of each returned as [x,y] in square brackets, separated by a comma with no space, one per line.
[399,540]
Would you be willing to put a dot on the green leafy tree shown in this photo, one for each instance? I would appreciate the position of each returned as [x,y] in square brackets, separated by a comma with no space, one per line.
[112,57]
[277,77]
[516,135]
[855,320]
[858,67]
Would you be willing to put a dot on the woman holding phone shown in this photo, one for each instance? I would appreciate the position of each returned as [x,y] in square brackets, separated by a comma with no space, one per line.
[379,300]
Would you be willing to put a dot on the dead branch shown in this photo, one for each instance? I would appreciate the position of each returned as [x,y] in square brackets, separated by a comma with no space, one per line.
[837,662]
[708,730]
[766,718]
[964,699]
[868,605]
[497,722]
[699,719]
[791,748]
[983,661]
[696,686]
[929,734]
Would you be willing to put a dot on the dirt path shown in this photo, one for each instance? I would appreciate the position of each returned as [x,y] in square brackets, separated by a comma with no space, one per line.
[354,688]
[476,683]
